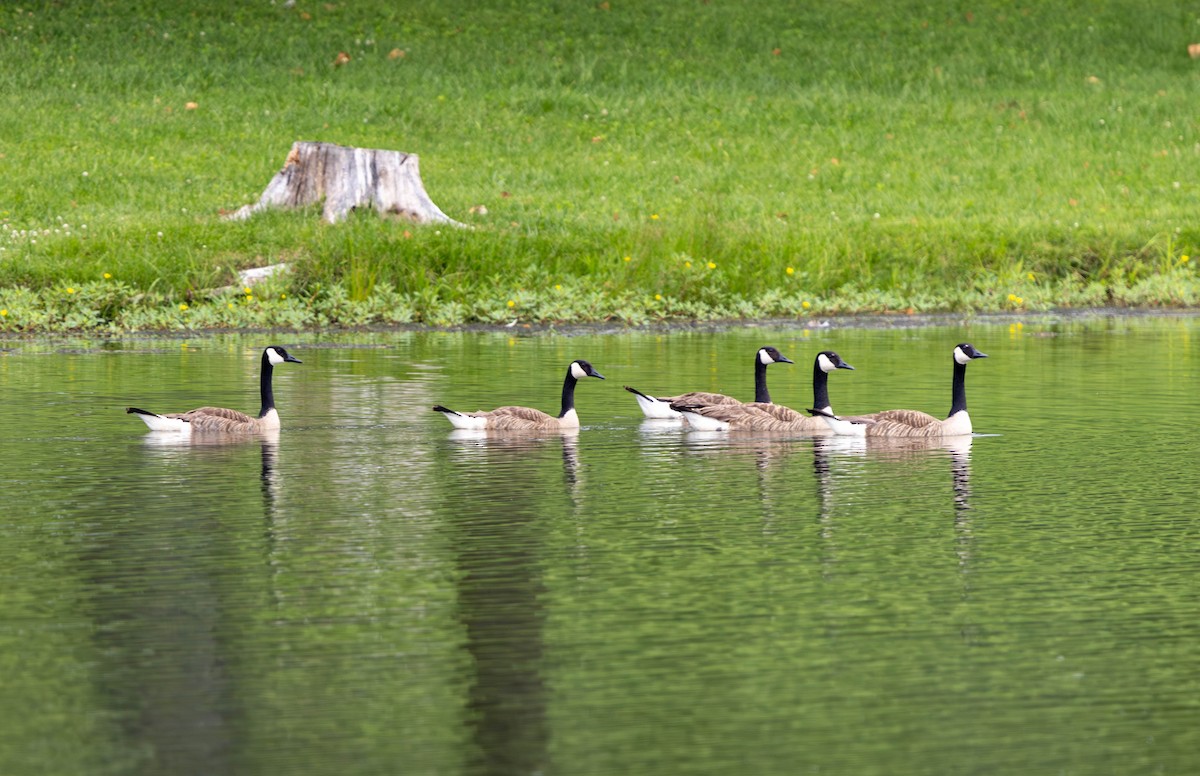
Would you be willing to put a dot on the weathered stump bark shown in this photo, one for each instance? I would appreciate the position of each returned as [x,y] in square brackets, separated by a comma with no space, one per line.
[348,178]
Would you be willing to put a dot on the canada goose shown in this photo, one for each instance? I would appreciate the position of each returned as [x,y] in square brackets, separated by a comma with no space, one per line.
[760,416]
[527,418]
[660,406]
[220,420]
[911,423]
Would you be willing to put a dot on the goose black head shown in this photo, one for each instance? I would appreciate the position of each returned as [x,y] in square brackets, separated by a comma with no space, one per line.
[277,355]
[581,369]
[965,351]
[770,355]
[828,361]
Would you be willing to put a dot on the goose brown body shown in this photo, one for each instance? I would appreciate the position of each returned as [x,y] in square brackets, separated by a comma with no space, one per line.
[517,418]
[754,417]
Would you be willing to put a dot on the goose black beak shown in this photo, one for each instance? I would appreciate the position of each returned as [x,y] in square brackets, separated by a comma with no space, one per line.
[784,359]
[293,359]
[979,355]
[594,373]
[844,365]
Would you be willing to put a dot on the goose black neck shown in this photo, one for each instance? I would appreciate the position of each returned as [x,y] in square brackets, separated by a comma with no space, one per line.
[820,387]
[760,381]
[568,393]
[264,386]
[959,403]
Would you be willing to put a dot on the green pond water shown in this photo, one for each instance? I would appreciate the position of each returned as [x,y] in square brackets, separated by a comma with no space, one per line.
[370,592]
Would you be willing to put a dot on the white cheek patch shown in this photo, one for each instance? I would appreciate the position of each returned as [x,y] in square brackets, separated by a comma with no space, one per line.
[765,357]
[273,357]
[825,364]
[577,371]
[959,356]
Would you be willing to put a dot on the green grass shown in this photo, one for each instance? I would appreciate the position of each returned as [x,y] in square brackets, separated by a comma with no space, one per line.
[895,157]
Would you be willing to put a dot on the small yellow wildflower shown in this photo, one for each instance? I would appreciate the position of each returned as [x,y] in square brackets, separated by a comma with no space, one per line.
[658,297]
[806,304]
[183,307]
[654,217]
[1184,259]
[628,258]
[3,313]
[790,271]
[249,297]
[70,290]
[108,276]
[1012,297]
[1030,276]
[558,286]
[247,291]
[712,265]
[283,296]
[512,303]
[687,265]
[231,305]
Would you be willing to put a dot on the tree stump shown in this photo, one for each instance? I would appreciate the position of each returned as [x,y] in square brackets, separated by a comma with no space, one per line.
[347,178]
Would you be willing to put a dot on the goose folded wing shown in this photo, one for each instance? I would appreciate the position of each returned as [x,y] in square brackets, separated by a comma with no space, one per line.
[215,419]
[517,418]
[700,399]
[785,414]
[890,428]
[911,418]
[743,416]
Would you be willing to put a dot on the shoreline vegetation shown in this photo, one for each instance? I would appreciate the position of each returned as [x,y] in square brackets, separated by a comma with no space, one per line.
[635,163]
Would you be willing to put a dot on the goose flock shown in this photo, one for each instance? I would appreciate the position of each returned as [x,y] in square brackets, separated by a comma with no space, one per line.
[699,410]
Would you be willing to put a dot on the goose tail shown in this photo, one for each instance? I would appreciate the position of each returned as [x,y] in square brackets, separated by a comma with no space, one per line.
[459,420]
[698,421]
[156,422]
[652,407]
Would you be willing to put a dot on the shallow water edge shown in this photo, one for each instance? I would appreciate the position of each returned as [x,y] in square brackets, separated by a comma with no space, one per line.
[856,321]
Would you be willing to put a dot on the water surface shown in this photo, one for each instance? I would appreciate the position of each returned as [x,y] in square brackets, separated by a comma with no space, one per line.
[371,592]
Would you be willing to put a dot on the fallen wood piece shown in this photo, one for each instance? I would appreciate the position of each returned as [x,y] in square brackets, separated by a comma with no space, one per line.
[253,276]
[347,178]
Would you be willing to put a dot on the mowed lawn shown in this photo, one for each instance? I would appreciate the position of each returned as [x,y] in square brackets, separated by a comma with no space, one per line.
[615,160]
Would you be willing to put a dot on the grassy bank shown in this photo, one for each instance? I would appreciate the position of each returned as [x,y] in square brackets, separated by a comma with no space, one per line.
[636,160]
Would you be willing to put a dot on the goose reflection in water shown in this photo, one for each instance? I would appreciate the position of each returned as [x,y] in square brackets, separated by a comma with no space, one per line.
[270,480]
[483,440]
[767,447]
[507,487]
[156,578]
[901,450]
[212,442]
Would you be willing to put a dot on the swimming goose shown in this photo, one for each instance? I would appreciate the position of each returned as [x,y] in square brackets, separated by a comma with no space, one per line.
[527,418]
[911,423]
[760,416]
[660,406]
[220,420]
